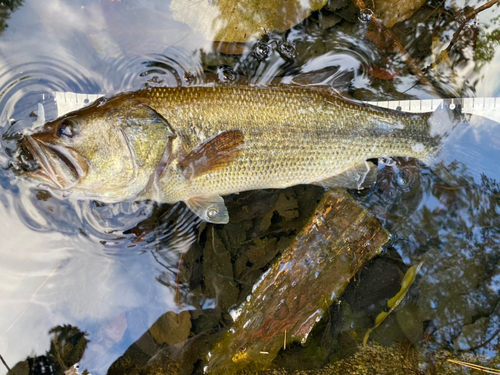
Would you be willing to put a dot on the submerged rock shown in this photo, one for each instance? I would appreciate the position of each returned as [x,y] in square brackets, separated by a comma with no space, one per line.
[291,297]
[231,21]
[392,12]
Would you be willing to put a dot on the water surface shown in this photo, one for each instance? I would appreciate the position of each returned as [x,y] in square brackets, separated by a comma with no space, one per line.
[112,270]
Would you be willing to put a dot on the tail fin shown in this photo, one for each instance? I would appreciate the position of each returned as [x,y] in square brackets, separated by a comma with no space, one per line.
[470,143]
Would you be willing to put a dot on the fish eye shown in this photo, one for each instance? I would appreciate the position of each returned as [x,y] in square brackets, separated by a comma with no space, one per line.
[68,128]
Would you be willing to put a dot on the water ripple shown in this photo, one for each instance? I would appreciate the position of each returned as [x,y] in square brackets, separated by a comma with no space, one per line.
[26,80]
[174,67]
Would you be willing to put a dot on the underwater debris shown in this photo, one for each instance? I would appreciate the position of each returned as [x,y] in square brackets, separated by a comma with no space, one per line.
[394,302]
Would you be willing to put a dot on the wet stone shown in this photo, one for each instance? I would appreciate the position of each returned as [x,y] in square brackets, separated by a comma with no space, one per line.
[169,331]
[483,331]
[329,20]
[377,283]
[391,14]
[473,335]
[171,328]
[236,23]
[206,321]
[411,323]
[349,12]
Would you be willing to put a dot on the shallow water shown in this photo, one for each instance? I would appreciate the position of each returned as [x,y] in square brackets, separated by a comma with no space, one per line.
[113,269]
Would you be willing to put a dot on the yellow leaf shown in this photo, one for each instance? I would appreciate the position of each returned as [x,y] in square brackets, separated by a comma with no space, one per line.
[408,279]
[380,318]
[444,58]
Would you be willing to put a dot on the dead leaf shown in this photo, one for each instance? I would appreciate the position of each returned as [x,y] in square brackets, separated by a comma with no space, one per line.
[286,206]
[383,43]
[439,53]
[445,58]
[382,73]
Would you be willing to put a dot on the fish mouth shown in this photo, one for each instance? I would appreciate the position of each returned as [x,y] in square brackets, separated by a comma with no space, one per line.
[51,163]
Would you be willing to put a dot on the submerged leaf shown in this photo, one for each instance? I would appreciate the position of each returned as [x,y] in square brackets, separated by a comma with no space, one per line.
[286,207]
[382,73]
[394,302]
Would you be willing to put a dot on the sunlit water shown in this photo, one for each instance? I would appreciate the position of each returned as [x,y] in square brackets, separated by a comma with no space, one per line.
[108,271]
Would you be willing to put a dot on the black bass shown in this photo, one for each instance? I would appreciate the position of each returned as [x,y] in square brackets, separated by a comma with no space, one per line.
[196,144]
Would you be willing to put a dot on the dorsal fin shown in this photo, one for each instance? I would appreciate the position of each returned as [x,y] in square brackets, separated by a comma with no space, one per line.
[215,153]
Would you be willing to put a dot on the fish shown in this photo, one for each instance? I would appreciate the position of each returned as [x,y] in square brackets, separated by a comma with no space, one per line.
[198,144]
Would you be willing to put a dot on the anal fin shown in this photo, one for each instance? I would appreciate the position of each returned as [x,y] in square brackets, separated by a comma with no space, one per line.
[210,209]
[360,176]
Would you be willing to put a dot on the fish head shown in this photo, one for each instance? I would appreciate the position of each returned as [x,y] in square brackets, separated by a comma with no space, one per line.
[87,150]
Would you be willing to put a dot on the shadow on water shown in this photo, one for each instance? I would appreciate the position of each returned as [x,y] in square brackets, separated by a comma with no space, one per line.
[150,287]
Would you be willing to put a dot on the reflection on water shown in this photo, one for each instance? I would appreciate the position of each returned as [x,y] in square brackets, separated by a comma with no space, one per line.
[67,345]
[455,230]
[129,282]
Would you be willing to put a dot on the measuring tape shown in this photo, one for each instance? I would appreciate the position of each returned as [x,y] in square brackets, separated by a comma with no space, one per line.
[70,101]
[485,107]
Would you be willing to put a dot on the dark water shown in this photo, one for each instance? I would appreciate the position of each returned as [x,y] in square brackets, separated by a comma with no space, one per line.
[112,270]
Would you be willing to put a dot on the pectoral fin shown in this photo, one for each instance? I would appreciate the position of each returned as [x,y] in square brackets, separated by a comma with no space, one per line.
[215,153]
[360,176]
[210,209]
